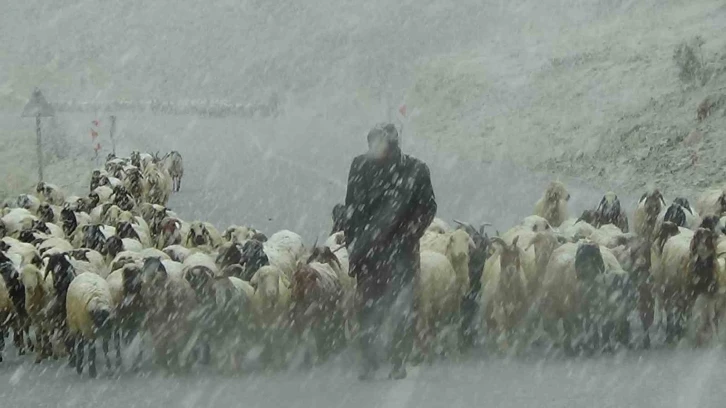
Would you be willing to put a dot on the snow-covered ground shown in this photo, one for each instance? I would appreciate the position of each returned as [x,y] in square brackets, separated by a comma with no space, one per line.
[584,88]
[660,379]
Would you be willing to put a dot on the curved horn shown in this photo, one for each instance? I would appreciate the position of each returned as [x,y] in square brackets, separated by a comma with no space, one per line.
[497,240]
[468,227]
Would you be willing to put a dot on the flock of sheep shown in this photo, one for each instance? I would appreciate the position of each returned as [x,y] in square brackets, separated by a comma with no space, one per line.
[117,266]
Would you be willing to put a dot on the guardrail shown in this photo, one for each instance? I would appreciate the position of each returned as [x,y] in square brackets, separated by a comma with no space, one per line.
[195,108]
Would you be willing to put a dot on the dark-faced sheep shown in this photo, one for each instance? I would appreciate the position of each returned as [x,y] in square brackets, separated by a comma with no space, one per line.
[586,290]
[316,294]
[13,313]
[646,213]
[174,165]
[171,303]
[609,211]
[688,269]
[90,315]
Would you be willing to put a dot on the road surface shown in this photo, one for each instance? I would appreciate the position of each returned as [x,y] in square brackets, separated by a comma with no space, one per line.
[278,174]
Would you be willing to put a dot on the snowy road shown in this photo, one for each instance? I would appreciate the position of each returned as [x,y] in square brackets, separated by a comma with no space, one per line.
[659,379]
[275,175]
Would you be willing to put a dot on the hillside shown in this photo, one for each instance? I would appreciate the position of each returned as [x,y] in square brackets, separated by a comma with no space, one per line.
[606,102]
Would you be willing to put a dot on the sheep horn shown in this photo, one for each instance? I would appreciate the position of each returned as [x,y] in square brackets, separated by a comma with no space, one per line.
[339,248]
[468,227]
[497,240]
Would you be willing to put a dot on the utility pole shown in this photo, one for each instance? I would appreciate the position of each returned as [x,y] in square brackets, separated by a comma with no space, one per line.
[38,107]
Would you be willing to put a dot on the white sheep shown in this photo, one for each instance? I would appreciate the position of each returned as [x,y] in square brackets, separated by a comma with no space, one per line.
[455,246]
[504,298]
[283,249]
[437,296]
[28,202]
[49,213]
[174,165]
[50,193]
[680,213]
[38,294]
[583,288]
[54,245]
[712,202]
[201,259]
[688,269]
[178,252]
[88,260]
[17,220]
[12,305]
[574,229]
[159,184]
[553,204]
[203,235]
[608,236]
[90,315]
[239,234]
[439,226]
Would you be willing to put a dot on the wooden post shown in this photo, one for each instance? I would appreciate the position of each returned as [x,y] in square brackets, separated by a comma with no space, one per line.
[111,133]
[39,147]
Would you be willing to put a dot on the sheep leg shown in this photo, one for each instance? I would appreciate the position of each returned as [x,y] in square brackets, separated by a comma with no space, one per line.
[19,339]
[71,347]
[646,308]
[2,343]
[104,345]
[117,343]
[80,345]
[92,359]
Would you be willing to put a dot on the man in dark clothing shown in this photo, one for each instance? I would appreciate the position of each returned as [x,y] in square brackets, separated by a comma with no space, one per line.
[389,204]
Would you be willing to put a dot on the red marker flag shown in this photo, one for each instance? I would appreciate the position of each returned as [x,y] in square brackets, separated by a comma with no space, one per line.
[94,134]
[97,147]
[95,123]
[402,110]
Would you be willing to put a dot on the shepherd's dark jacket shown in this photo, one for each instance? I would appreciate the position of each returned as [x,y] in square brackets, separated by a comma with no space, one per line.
[389,205]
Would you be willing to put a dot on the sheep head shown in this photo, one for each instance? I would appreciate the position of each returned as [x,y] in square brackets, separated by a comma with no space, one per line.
[201,279]
[713,223]
[198,235]
[588,262]
[325,256]
[253,256]
[654,203]
[229,254]
[40,226]
[69,221]
[125,229]
[667,230]
[114,246]
[304,281]
[510,256]
[169,232]
[608,211]
[460,245]
[45,213]
[153,277]
[93,238]
[63,272]
[676,215]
